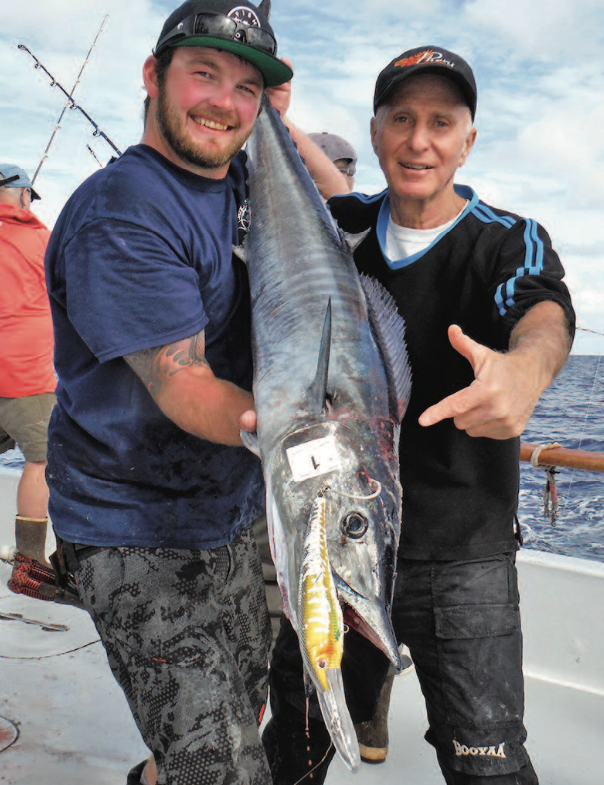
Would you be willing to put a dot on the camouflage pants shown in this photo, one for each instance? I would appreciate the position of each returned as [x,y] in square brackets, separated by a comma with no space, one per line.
[187,636]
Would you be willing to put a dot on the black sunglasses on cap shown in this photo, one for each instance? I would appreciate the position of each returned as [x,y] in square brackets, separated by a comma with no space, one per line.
[218,26]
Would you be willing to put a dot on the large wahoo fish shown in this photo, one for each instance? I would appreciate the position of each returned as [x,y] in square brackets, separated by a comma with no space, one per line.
[331,383]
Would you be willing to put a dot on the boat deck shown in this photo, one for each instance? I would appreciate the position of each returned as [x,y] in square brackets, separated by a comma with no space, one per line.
[64,720]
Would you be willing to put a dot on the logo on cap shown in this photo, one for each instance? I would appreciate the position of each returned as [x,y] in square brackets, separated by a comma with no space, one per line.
[245,15]
[427,56]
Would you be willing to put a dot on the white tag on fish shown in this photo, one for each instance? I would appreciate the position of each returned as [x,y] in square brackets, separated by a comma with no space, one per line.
[312,459]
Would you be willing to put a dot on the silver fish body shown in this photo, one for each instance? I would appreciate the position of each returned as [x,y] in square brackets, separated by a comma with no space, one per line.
[331,382]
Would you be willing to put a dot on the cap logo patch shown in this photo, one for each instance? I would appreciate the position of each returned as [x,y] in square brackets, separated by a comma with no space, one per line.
[427,56]
[245,15]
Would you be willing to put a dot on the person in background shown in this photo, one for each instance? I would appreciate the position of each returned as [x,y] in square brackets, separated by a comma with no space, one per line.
[151,492]
[330,177]
[340,152]
[489,324]
[27,378]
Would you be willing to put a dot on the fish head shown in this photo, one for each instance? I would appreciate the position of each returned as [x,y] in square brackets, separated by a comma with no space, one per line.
[354,468]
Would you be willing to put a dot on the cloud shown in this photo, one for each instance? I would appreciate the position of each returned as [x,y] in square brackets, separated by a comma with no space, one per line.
[540,150]
[538,30]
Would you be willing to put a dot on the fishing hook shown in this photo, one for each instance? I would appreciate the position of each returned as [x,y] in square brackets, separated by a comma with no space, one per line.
[373,495]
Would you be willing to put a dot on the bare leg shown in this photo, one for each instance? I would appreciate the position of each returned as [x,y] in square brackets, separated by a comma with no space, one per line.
[32,493]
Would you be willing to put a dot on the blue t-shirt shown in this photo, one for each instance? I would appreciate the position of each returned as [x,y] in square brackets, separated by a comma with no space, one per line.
[141,256]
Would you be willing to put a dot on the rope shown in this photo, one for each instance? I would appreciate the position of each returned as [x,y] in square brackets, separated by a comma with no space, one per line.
[537,453]
[50,656]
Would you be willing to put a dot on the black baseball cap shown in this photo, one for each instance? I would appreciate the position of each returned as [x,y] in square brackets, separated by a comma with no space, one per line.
[238,27]
[426,60]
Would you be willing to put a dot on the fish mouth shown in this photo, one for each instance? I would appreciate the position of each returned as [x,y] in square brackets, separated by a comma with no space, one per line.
[369,618]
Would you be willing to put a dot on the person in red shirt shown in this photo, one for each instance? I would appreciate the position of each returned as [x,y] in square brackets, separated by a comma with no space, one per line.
[27,378]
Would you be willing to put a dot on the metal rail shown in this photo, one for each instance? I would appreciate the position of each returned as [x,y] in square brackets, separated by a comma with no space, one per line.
[563,456]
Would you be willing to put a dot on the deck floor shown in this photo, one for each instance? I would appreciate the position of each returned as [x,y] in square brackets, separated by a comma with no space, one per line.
[74,726]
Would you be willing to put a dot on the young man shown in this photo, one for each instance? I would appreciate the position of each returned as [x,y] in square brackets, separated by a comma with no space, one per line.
[489,323]
[27,377]
[151,492]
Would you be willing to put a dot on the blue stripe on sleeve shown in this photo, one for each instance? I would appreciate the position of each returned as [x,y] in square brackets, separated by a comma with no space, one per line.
[533,258]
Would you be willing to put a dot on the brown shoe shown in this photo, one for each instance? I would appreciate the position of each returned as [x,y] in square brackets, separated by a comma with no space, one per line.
[373,735]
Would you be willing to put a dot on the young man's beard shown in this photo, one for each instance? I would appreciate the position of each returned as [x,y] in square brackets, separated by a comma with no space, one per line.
[185,148]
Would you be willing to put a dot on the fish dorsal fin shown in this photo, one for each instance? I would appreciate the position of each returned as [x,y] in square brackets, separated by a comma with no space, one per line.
[388,328]
[318,388]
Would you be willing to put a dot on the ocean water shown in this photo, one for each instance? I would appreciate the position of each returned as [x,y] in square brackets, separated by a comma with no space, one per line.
[570,412]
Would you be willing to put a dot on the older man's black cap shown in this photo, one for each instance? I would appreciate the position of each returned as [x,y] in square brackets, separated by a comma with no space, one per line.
[235,26]
[426,60]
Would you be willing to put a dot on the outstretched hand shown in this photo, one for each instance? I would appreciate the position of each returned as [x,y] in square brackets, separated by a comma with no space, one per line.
[501,398]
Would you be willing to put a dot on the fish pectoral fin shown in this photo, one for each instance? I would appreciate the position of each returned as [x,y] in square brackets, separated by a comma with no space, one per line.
[388,328]
[250,440]
[337,719]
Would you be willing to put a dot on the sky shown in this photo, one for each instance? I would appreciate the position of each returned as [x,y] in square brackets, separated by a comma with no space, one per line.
[539,65]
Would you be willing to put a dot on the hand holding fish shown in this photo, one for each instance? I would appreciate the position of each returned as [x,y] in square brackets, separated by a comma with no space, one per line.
[248,421]
[280,96]
[507,386]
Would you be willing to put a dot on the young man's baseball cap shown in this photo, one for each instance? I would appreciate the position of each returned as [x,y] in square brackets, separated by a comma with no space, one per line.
[426,60]
[336,148]
[234,26]
[12,176]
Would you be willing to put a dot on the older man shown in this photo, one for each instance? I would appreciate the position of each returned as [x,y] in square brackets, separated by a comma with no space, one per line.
[27,378]
[489,324]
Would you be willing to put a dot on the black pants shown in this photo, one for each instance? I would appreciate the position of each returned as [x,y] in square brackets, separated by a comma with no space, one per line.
[461,623]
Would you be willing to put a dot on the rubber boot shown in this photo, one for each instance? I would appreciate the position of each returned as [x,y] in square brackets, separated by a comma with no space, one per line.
[373,735]
[30,535]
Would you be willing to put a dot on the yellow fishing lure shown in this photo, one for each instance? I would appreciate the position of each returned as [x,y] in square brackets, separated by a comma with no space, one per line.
[321,623]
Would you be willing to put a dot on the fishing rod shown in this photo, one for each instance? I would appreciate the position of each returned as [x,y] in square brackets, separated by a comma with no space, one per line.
[70,101]
[587,330]
[94,155]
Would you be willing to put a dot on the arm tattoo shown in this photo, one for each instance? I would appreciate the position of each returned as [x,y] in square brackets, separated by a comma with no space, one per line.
[157,365]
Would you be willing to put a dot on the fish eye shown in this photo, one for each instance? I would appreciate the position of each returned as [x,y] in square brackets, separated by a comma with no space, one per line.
[354,525]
